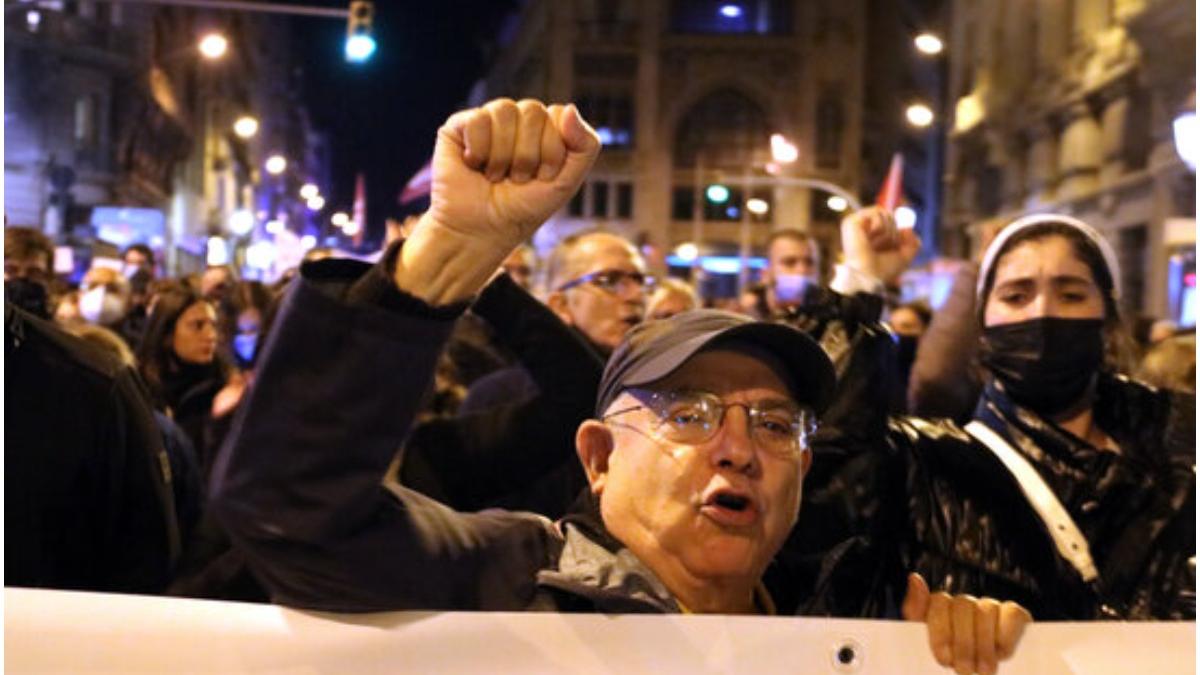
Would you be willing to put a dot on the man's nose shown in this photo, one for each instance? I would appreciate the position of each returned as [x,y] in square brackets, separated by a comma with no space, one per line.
[734,447]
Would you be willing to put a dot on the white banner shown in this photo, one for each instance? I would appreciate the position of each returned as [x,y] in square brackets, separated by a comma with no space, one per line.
[63,632]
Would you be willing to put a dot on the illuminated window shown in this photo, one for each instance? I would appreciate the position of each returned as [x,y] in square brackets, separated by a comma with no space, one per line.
[755,17]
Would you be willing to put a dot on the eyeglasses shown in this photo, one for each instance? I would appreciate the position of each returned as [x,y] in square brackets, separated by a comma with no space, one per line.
[779,427]
[613,281]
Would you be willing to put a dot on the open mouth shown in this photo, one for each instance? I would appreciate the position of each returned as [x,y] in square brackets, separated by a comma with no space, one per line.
[730,509]
[732,502]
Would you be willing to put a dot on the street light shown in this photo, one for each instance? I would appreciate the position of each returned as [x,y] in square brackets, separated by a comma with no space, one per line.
[757,206]
[837,203]
[274,226]
[928,43]
[906,217]
[213,46]
[308,241]
[340,219]
[276,164]
[316,203]
[1187,138]
[687,252]
[245,127]
[241,222]
[783,150]
[351,228]
[919,115]
[308,191]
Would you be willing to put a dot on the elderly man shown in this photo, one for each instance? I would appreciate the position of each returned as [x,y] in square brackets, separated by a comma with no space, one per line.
[695,458]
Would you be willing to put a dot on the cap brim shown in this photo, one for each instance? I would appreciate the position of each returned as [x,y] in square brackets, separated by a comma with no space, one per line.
[810,371]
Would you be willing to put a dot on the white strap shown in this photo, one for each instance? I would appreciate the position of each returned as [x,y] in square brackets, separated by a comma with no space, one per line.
[1067,538]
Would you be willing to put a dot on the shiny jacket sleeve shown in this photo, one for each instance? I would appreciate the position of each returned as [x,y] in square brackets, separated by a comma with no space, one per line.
[299,482]
[470,462]
[943,383]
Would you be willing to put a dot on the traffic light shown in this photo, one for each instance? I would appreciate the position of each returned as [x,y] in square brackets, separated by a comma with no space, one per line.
[360,43]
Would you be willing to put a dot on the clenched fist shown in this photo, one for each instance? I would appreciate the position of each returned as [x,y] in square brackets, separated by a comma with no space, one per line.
[499,171]
[873,244]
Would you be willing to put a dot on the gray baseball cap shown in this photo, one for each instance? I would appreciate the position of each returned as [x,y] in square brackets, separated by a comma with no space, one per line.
[655,349]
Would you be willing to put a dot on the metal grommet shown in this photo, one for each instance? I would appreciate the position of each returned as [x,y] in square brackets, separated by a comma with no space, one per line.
[847,656]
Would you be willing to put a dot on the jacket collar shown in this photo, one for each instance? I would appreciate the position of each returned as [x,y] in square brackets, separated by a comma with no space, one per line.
[614,580]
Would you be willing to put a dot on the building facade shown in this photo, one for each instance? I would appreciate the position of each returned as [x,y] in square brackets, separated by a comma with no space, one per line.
[686,94]
[1067,106]
[118,131]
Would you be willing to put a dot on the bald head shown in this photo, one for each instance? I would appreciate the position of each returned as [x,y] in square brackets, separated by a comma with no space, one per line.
[576,255]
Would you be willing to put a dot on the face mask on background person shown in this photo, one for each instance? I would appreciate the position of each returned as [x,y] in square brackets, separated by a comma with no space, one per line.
[100,307]
[29,295]
[793,289]
[244,346]
[1045,364]
[906,352]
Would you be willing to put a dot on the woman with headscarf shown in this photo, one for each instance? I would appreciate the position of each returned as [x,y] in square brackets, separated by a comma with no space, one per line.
[1072,489]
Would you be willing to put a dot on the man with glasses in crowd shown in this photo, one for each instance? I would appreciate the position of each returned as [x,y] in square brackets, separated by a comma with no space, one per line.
[694,460]
[597,284]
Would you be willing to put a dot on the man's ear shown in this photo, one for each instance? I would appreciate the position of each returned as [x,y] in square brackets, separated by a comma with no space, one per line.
[805,462]
[594,445]
[557,302]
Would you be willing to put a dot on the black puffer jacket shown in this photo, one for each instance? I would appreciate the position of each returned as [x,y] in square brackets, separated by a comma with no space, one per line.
[970,529]
[948,507]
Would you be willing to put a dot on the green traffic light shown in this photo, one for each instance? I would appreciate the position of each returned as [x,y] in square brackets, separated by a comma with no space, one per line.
[717,193]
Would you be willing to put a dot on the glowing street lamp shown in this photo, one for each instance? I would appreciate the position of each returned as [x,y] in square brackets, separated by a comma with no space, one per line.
[241,222]
[928,43]
[340,219]
[687,252]
[276,164]
[783,151]
[906,217]
[308,191]
[919,115]
[837,203]
[213,46]
[757,206]
[350,229]
[245,127]
[316,203]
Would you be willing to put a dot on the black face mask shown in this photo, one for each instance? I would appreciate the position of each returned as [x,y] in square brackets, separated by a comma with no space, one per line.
[28,295]
[1046,364]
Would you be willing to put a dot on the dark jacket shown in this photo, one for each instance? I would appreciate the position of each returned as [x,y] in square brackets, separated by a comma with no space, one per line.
[972,528]
[519,454]
[299,484]
[87,484]
[948,507]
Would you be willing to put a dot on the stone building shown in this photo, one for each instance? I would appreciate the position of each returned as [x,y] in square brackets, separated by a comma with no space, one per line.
[110,110]
[1067,106]
[686,94]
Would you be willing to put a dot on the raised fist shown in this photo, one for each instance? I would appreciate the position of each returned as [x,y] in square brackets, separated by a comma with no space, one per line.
[873,244]
[500,170]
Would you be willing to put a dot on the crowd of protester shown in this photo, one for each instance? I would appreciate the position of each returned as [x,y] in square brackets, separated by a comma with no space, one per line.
[333,441]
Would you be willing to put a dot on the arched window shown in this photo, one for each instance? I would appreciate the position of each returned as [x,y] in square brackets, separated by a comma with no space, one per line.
[726,127]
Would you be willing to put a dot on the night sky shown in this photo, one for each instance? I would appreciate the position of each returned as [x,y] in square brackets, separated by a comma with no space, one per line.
[381,116]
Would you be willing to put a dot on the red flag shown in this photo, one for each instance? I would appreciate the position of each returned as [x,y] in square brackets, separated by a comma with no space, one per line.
[360,209]
[891,193]
[419,185]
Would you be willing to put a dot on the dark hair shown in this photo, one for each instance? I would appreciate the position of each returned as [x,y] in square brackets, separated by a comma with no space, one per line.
[145,250]
[25,242]
[1119,350]
[245,295]
[155,357]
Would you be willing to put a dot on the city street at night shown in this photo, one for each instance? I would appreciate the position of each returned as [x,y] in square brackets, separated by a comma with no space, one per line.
[843,311]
